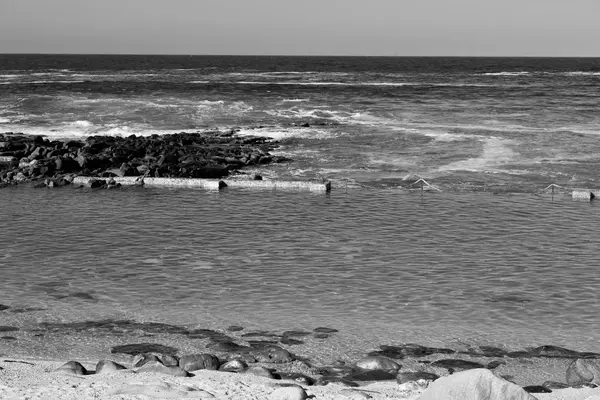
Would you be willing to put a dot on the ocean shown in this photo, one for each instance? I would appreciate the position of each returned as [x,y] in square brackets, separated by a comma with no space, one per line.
[487,256]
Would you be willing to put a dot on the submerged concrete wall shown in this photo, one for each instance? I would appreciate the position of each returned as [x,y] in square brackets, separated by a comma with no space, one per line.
[211,184]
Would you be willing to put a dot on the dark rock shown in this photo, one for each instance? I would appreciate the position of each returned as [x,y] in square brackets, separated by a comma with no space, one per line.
[8,338]
[325,330]
[260,334]
[106,366]
[554,385]
[209,334]
[409,350]
[495,364]
[227,347]
[3,307]
[321,335]
[261,344]
[491,351]
[456,364]
[73,368]
[235,328]
[536,389]
[371,375]
[295,333]
[554,351]
[133,349]
[298,377]
[272,354]
[404,377]
[194,362]
[8,328]
[290,341]
[234,366]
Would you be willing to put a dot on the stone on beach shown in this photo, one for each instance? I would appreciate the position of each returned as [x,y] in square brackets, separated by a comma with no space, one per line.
[273,354]
[107,366]
[260,371]
[456,364]
[133,349]
[475,384]
[234,366]
[289,393]
[72,368]
[194,362]
[377,363]
[143,358]
[404,377]
[583,370]
[158,367]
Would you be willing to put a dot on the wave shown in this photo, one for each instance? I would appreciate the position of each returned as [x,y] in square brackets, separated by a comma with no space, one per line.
[283,133]
[496,152]
[507,73]
[294,100]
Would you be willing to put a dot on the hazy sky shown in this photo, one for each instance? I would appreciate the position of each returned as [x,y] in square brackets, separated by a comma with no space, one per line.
[311,27]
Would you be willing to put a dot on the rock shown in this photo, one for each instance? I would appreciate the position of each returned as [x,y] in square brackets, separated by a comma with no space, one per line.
[495,364]
[72,368]
[168,360]
[414,386]
[235,328]
[143,358]
[377,363]
[325,330]
[194,362]
[260,371]
[371,375]
[455,364]
[288,393]
[273,354]
[298,377]
[290,342]
[536,389]
[107,366]
[475,384]
[3,307]
[295,333]
[133,349]
[8,328]
[583,370]
[408,350]
[404,377]
[158,367]
[233,366]
[554,385]
[321,335]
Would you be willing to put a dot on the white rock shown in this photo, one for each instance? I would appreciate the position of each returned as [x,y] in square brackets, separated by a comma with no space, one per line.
[288,393]
[474,384]
[378,363]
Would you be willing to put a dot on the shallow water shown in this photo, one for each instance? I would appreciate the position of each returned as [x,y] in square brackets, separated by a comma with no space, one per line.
[382,266]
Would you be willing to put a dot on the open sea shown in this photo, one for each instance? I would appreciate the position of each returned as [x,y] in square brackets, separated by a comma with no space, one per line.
[485,257]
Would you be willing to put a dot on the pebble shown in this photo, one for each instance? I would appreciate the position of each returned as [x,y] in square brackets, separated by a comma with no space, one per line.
[289,393]
[72,368]
[107,366]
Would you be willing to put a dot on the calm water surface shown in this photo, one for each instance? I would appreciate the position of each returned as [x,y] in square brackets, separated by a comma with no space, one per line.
[382,266]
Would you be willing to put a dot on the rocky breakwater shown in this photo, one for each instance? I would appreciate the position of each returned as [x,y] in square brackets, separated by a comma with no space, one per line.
[50,163]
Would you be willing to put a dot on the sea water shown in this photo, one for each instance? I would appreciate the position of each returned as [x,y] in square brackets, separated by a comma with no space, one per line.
[488,258]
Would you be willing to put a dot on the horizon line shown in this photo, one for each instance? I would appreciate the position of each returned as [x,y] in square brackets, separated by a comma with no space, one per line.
[289,55]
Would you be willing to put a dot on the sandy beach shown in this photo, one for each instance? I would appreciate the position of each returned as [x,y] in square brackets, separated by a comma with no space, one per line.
[42,379]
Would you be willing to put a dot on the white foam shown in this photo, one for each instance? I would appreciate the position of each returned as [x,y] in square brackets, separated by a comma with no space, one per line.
[280,133]
[496,152]
[294,100]
[507,73]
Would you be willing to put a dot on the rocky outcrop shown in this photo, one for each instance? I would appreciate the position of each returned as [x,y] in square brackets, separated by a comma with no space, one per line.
[207,155]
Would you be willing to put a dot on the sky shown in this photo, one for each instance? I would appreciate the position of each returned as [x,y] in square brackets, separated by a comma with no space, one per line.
[303,27]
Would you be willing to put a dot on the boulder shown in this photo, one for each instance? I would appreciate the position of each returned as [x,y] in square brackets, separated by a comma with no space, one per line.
[234,366]
[107,366]
[143,358]
[72,368]
[377,363]
[158,367]
[260,371]
[583,370]
[475,384]
[273,354]
[133,349]
[288,393]
[194,362]
[404,377]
